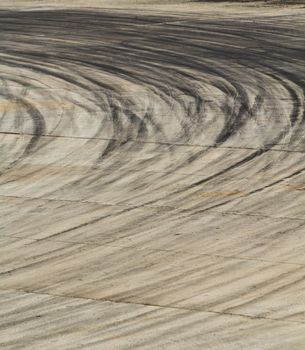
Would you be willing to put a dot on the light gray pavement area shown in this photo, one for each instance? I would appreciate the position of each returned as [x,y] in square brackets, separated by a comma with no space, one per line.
[152,179]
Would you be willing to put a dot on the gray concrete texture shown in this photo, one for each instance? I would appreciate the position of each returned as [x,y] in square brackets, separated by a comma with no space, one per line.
[152,179]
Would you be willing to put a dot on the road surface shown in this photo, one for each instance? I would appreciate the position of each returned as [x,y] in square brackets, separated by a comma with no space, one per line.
[152,187]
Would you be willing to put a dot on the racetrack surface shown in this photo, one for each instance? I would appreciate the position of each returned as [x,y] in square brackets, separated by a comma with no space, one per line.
[152,181]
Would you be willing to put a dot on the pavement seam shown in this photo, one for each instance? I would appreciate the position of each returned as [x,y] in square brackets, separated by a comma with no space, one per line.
[155,142]
[171,307]
[149,206]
